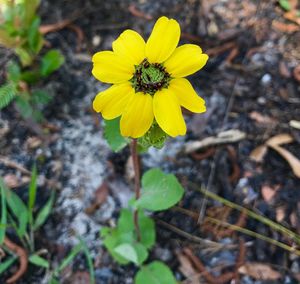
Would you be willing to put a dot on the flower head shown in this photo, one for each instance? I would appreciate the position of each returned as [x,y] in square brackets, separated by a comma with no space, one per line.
[147,78]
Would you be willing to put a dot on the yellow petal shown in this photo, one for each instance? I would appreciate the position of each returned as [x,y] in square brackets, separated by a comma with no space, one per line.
[112,101]
[111,68]
[163,40]
[167,113]
[186,60]
[137,116]
[131,46]
[186,95]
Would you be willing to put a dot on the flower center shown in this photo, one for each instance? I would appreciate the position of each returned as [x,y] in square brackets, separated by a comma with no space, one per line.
[150,77]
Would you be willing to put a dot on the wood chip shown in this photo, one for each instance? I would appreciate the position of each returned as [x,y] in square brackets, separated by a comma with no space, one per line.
[295,124]
[259,271]
[259,153]
[262,119]
[229,136]
[280,139]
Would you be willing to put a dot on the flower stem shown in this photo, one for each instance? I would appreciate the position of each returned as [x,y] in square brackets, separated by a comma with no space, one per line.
[137,184]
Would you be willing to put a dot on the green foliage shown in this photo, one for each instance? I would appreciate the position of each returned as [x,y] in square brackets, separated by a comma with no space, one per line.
[51,61]
[70,257]
[7,263]
[125,234]
[113,136]
[7,94]
[3,212]
[285,4]
[160,191]
[19,31]
[155,273]
[38,261]
[19,210]
[129,242]
[136,253]
[23,218]
[155,137]
[35,39]
[44,213]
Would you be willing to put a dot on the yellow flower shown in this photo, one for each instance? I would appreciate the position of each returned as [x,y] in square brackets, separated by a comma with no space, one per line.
[148,80]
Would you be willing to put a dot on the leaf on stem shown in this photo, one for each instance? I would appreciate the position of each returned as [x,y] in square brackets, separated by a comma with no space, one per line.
[160,191]
[155,272]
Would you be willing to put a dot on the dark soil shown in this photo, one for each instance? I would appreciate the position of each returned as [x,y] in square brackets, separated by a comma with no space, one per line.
[248,85]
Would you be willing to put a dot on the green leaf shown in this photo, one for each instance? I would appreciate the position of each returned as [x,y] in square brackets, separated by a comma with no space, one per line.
[113,136]
[127,251]
[24,56]
[19,209]
[40,97]
[3,212]
[7,263]
[135,253]
[160,191]
[155,273]
[35,38]
[125,233]
[14,72]
[89,261]
[44,213]
[30,77]
[7,93]
[32,190]
[285,4]
[147,230]
[38,261]
[68,259]
[30,7]
[51,61]
[24,106]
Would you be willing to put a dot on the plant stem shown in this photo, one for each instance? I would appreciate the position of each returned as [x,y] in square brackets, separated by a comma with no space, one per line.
[137,184]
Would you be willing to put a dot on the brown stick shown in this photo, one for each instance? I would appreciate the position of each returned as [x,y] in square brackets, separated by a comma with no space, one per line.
[23,259]
[137,184]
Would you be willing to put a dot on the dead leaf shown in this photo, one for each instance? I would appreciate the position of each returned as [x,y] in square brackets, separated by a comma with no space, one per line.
[100,197]
[228,136]
[286,28]
[280,139]
[292,16]
[187,269]
[293,161]
[259,153]
[259,271]
[262,119]
[33,142]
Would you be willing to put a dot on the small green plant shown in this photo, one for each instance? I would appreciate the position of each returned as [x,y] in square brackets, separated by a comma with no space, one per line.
[23,220]
[80,247]
[19,31]
[135,235]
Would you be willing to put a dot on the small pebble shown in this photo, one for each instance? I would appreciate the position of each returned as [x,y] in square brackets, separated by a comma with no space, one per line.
[96,40]
[266,79]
